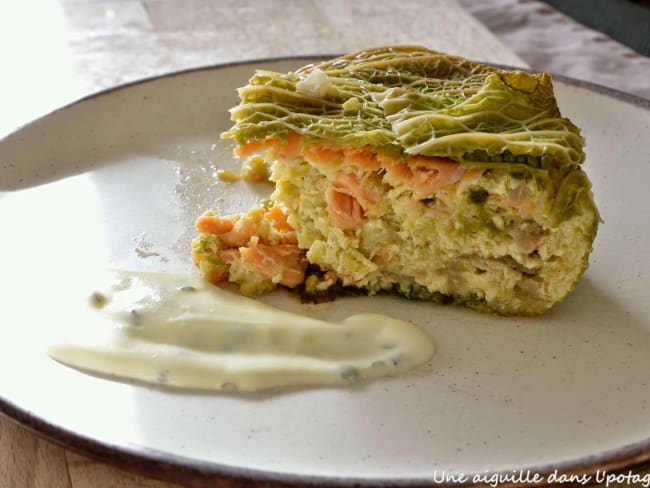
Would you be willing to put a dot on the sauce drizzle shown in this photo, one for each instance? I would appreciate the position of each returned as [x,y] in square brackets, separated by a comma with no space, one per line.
[180,331]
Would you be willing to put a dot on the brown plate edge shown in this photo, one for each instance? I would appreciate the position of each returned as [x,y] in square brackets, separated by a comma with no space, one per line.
[199,474]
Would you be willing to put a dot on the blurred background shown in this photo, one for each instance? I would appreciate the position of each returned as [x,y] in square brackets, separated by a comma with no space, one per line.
[603,41]
[54,51]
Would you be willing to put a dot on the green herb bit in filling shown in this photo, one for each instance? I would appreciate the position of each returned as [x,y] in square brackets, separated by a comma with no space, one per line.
[478,195]
[480,155]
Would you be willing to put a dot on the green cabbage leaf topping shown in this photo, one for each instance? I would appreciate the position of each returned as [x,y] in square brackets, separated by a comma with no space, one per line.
[415,101]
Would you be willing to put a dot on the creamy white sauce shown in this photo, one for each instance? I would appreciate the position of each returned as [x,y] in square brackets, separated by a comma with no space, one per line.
[180,331]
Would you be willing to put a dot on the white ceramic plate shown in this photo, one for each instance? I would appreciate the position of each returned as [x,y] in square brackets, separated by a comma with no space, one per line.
[119,178]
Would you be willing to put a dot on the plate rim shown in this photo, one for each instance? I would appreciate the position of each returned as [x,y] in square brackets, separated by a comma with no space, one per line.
[180,469]
[191,472]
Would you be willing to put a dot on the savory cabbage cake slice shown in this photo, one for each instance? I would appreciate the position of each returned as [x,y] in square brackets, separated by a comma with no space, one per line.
[408,171]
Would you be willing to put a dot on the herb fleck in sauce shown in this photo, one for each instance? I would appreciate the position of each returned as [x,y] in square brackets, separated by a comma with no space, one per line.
[98,300]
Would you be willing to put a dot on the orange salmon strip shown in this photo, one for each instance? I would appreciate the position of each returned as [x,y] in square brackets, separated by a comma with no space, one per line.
[270,261]
[211,224]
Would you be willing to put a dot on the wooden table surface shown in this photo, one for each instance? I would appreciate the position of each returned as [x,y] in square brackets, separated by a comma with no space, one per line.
[54,51]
